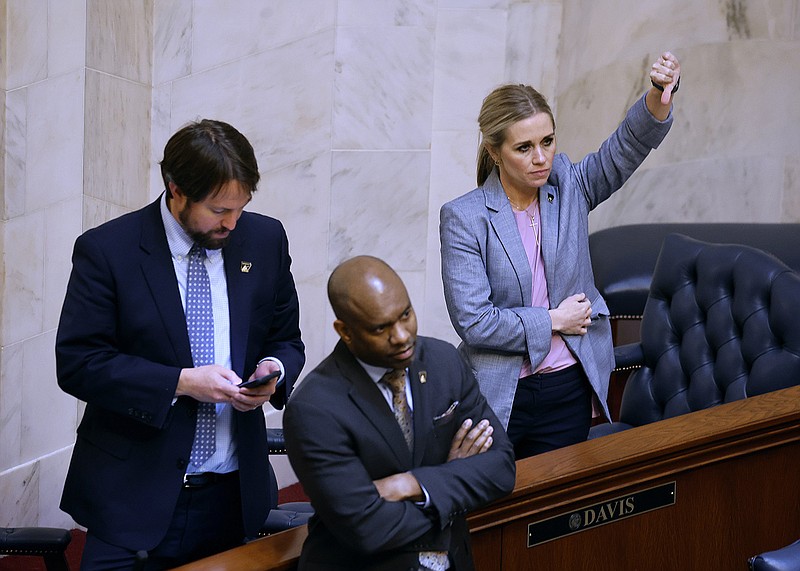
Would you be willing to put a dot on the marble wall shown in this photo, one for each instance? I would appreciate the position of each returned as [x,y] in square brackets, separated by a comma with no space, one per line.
[362,114]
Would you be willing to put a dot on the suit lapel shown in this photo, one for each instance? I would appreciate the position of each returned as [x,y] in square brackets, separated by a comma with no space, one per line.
[423,414]
[159,274]
[549,211]
[239,296]
[369,400]
[505,227]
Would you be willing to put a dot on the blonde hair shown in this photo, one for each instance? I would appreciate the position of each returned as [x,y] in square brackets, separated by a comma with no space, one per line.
[502,108]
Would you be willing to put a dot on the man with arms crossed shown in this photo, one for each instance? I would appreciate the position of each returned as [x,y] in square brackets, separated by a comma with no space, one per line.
[385,497]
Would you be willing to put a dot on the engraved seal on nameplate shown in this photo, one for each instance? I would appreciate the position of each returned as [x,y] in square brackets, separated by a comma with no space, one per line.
[595,515]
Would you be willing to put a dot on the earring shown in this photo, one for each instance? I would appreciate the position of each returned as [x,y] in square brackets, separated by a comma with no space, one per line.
[497,162]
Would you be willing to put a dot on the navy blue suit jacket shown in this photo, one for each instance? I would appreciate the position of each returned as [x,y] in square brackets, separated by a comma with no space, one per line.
[120,347]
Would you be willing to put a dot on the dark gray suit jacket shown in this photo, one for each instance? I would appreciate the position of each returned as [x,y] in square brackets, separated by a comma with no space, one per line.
[341,435]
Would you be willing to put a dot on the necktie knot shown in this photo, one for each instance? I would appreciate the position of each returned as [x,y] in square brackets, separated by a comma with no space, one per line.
[395,379]
[197,252]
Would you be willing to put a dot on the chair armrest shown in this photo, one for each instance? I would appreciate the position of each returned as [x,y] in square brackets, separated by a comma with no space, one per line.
[629,356]
[33,540]
[607,428]
[783,559]
[276,443]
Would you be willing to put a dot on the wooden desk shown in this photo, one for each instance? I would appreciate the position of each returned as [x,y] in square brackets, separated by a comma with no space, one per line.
[735,469]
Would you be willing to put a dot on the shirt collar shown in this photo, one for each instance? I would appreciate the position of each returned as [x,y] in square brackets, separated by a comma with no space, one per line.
[178,240]
[375,373]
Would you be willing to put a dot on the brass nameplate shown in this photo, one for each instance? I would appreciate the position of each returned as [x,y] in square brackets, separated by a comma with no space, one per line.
[600,514]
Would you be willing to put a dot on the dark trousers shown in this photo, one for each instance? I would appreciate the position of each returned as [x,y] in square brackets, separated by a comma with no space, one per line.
[550,410]
[207,520]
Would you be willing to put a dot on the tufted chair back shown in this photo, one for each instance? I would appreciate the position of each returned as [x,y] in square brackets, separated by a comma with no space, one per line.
[721,323]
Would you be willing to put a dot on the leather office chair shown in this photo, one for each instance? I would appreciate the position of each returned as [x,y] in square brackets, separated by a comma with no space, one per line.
[783,559]
[290,514]
[49,543]
[721,323]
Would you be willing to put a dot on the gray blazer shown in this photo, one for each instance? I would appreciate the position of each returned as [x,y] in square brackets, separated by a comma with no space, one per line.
[487,279]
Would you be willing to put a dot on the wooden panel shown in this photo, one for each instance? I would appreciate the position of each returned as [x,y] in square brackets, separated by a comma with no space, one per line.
[735,467]
[278,552]
[724,513]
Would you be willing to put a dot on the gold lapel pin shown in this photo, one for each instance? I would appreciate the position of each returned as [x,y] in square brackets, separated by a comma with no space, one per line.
[245,266]
[423,377]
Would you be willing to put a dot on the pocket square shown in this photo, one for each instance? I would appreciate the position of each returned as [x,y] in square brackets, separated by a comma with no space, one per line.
[446,415]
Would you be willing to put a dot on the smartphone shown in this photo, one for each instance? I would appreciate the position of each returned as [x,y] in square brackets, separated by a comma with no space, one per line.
[260,381]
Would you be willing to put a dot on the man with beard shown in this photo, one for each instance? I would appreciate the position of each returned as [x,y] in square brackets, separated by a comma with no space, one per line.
[167,309]
[391,437]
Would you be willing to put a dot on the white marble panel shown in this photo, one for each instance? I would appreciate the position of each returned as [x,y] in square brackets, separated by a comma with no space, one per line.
[470,62]
[316,319]
[66,28]
[62,226]
[96,211]
[453,155]
[117,145]
[160,132]
[172,40]
[379,206]
[48,424]
[279,99]
[415,286]
[299,196]
[473,4]
[386,13]
[53,472]
[592,108]
[534,29]
[14,152]
[790,209]
[25,39]
[383,88]
[10,405]
[120,38]
[612,30]
[727,189]
[23,256]
[54,141]
[722,109]
[453,169]
[222,34]
[19,488]
[737,100]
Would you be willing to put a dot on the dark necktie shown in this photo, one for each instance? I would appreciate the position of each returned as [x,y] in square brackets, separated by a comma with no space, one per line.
[396,381]
[200,324]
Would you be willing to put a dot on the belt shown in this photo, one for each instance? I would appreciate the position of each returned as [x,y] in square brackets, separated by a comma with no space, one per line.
[205,479]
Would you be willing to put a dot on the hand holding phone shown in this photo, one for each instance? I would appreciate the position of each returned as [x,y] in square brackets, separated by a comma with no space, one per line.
[260,381]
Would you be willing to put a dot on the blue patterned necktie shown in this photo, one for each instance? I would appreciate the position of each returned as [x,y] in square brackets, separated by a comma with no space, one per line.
[200,324]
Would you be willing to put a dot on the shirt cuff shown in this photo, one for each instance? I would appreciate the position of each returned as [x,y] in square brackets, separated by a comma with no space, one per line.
[274,360]
[427,502]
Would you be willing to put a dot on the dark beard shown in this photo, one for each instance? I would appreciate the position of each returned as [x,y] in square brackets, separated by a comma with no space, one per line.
[204,239]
